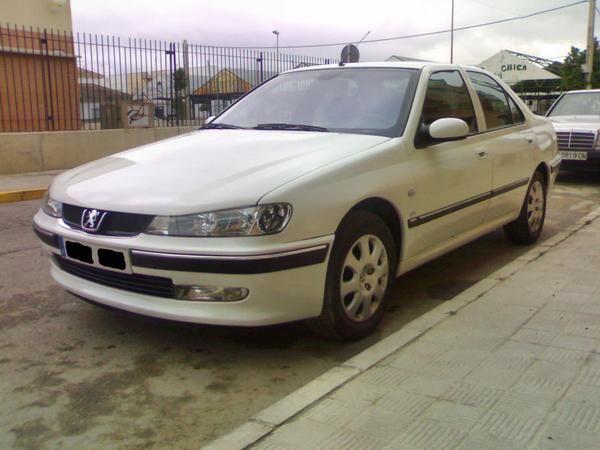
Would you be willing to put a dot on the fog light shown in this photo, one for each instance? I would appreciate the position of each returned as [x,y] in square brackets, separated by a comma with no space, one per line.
[210,293]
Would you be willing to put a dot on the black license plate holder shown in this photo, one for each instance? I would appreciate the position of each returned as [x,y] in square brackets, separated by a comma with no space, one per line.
[80,252]
[111,258]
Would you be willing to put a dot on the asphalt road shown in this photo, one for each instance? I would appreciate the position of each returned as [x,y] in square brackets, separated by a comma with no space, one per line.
[76,376]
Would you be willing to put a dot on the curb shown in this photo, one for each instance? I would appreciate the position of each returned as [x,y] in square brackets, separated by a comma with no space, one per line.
[268,420]
[22,195]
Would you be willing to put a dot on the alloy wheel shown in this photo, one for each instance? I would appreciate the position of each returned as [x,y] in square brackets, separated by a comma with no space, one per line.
[364,278]
[535,206]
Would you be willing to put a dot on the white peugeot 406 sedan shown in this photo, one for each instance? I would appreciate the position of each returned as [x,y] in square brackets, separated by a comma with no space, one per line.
[305,198]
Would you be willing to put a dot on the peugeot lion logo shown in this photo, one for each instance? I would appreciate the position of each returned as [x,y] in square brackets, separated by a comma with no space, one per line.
[91,219]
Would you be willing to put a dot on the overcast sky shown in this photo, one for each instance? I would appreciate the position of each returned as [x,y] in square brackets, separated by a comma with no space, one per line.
[304,22]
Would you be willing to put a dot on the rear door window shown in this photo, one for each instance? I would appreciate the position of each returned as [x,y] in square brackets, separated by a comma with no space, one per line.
[499,109]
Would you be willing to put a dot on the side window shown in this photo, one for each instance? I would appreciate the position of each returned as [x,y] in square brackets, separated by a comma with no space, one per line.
[447,96]
[498,108]
[517,114]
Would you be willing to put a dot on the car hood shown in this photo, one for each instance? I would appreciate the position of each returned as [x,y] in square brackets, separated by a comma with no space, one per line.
[576,122]
[203,170]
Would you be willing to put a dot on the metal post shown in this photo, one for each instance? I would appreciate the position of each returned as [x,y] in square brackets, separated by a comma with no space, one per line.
[452,34]
[186,67]
[276,33]
[589,60]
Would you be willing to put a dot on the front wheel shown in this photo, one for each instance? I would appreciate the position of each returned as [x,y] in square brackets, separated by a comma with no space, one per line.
[361,266]
[526,229]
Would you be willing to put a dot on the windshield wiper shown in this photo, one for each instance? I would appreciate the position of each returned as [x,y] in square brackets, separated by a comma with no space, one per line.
[220,126]
[288,126]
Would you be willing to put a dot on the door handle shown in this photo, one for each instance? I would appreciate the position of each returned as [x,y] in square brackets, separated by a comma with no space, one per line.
[482,155]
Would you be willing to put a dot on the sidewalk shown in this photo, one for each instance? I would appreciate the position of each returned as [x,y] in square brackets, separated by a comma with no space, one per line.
[511,363]
[26,186]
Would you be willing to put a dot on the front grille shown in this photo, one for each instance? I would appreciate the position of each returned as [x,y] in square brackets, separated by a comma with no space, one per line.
[141,284]
[114,223]
[576,140]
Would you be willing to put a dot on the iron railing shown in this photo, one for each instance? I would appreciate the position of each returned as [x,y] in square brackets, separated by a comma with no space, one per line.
[51,80]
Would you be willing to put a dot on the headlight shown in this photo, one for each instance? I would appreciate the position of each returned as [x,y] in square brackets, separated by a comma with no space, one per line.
[250,221]
[51,207]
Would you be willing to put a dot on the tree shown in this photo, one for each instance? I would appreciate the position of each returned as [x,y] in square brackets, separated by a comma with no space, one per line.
[180,84]
[571,72]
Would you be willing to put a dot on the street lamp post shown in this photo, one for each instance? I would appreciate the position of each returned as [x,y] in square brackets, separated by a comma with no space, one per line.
[452,34]
[276,33]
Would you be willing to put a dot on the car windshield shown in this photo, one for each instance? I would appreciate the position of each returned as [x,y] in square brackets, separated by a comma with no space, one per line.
[348,100]
[577,104]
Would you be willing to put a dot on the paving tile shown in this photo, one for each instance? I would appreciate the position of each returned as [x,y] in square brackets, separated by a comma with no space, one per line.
[460,339]
[511,349]
[472,394]
[476,441]
[349,440]
[563,437]
[378,423]
[541,386]
[582,416]
[508,426]
[564,356]
[581,393]
[526,405]
[495,375]
[449,369]
[404,403]
[454,415]
[426,385]
[428,435]
[416,355]
[336,412]
[574,342]
[359,393]
[589,374]
[384,376]
[532,336]
[585,328]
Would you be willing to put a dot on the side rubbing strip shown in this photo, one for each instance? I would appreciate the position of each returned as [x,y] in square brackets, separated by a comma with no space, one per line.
[510,187]
[420,220]
[428,217]
[46,237]
[230,265]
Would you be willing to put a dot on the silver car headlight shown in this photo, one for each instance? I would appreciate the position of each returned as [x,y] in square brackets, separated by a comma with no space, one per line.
[51,207]
[248,221]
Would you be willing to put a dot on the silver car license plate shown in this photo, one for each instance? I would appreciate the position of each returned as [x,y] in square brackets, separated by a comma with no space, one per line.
[580,156]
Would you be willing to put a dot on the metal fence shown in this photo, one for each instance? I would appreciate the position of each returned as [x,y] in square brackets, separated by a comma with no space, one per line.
[52,80]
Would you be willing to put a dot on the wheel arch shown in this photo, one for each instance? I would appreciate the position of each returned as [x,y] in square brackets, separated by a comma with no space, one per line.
[389,214]
[544,169]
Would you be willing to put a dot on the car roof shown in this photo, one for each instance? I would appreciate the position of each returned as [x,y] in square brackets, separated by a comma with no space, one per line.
[385,64]
[583,91]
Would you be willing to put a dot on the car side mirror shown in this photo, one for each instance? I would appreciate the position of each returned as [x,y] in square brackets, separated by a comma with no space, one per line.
[448,129]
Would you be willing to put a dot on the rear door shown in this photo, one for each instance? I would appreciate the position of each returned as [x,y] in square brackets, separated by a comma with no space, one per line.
[510,146]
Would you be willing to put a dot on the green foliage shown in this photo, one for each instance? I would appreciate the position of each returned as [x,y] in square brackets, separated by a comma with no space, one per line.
[180,102]
[180,80]
[571,73]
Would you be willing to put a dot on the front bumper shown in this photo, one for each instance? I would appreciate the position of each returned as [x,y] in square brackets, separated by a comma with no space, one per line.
[285,281]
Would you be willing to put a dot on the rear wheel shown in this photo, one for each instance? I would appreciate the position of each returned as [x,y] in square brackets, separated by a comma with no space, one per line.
[526,229]
[361,266]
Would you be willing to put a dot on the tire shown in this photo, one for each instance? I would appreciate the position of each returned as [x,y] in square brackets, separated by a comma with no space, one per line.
[526,229]
[357,281]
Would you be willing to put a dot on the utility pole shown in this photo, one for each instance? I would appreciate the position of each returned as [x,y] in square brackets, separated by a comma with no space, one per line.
[276,33]
[452,34]
[589,60]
